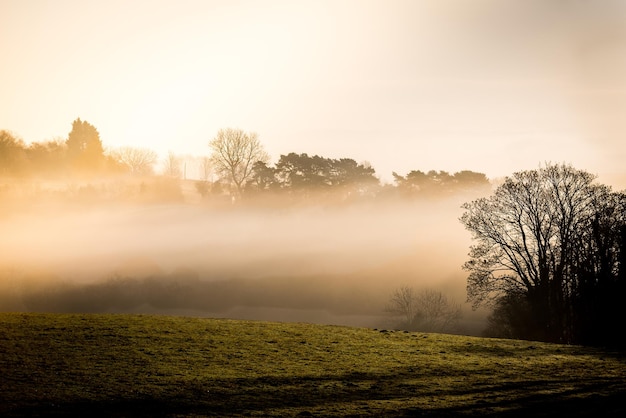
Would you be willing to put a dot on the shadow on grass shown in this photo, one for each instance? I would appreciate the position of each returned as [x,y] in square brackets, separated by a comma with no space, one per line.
[395,394]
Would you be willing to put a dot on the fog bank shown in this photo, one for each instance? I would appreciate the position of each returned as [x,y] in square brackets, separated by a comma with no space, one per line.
[320,263]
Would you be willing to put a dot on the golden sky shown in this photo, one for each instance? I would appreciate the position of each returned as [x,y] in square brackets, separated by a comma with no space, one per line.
[493,86]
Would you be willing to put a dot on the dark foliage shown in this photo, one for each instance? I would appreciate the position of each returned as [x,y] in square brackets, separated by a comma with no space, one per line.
[303,176]
[550,253]
[440,182]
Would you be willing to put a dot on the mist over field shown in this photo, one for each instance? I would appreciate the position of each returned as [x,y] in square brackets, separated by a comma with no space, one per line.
[325,185]
[324,263]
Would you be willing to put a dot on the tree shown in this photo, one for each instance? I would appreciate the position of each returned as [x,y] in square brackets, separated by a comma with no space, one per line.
[511,318]
[12,153]
[553,236]
[469,179]
[427,310]
[84,148]
[172,167]
[351,176]
[303,174]
[205,168]
[139,161]
[436,182]
[402,304]
[263,177]
[234,154]
[49,157]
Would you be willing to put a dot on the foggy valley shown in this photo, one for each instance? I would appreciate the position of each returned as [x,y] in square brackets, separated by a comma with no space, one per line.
[322,263]
[128,161]
[415,208]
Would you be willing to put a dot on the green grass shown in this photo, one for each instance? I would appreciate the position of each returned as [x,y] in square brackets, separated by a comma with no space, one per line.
[136,365]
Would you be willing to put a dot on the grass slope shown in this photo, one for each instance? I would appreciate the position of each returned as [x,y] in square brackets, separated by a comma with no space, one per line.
[137,365]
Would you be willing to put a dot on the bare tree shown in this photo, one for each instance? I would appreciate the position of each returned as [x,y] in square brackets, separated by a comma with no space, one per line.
[402,304]
[427,310]
[172,167]
[205,169]
[553,236]
[435,313]
[234,154]
[140,161]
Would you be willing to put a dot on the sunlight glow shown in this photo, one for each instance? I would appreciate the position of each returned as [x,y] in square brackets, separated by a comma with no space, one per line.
[373,80]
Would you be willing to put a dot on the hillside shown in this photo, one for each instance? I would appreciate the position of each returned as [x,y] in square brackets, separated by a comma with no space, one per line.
[139,365]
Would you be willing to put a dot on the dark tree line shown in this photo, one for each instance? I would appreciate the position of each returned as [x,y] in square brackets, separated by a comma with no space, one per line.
[301,174]
[435,182]
[550,256]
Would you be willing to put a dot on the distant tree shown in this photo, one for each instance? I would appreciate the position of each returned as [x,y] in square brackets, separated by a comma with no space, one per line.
[403,304]
[48,157]
[234,154]
[441,180]
[352,177]
[202,187]
[426,310]
[469,179]
[417,182]
[138,161]
[555,237]
[172,166]
[12,153]
[84,148]
[263,177]
[205,169]
[303,174]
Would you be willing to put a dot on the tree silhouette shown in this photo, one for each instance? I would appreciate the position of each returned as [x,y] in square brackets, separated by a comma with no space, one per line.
[84,148]
[352,177]
[305,175]
[139,161]
[263,177]
[48,157]
[553,236]
[434,182]
[12,153]
[426,310]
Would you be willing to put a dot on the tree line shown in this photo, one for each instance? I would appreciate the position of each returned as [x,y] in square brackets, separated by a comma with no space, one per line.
[237,165]
[81,153]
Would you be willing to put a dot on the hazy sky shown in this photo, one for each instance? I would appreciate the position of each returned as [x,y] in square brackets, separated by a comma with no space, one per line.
[484,85]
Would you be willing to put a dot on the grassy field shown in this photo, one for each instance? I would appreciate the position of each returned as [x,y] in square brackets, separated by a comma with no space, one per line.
[136,365]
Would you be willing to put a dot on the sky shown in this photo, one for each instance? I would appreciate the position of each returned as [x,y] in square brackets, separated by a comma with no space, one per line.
[485,85]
